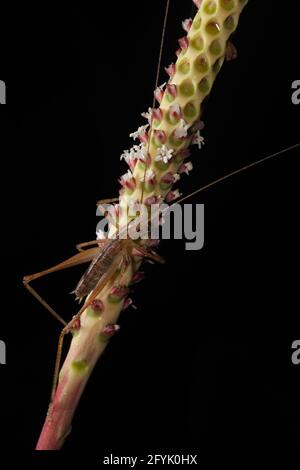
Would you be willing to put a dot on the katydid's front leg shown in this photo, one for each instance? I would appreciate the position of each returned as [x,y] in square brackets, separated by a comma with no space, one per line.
[107,201]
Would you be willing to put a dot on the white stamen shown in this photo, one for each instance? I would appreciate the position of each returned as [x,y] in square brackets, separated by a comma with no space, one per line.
[127,176]
[176,177]
[181,130]
[137,152]
[164,154]
[186,24]
[150,173]
[141,131]
[188,167]
[142,151]
[147,115]
[126,155]
[198,140]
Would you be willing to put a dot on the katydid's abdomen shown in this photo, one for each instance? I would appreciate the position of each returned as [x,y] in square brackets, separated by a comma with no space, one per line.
[98,267]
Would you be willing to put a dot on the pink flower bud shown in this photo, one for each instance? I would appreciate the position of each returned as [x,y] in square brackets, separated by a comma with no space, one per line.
[76,325]
[151,200]
[171,90]
[158,94]
[157,114]
[186,24]
[128,181]
[110,329]
[137,277]
[160,136]
[183,43]
[168,179]
[198,126]
[184,153]
[197,3]
[143,138]
[186,168]
[150,178]
[175,112]
[172,195]
[118,293]
[171,70]
[231,51]
[97,305]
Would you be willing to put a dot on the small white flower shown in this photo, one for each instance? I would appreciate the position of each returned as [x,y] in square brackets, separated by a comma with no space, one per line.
[141,131]
[150,173]
[126,155]
[164,154]
[176,194]
[147,115]
[137,152]
[127,176]
[176,177]
[188,167]
[175,109]
[186,24]
[159,89]
[198,140]
[141,151]
[181,130]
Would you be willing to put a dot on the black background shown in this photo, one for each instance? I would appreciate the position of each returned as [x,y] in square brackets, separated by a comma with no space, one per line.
[205,361]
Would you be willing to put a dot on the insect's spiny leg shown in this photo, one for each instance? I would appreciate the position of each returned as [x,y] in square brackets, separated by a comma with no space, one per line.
[43,302]
[110,273]
[79,258]
[80,246]
[57,361]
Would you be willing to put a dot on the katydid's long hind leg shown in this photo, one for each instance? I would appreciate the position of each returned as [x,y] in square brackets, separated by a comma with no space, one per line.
[79,258]
[101,284]
[48,307]
[80,246]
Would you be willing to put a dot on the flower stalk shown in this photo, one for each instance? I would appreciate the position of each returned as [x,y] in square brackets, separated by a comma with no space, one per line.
[155,165]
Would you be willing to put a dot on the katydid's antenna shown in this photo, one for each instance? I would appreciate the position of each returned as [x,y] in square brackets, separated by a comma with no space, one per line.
[236,172]
[162,41]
